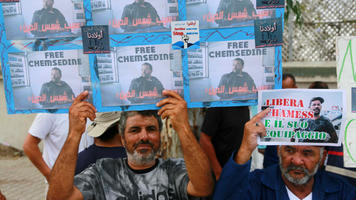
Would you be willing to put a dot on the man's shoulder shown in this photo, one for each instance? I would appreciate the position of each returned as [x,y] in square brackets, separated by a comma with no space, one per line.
[323,118]
[245,74]
[147,4]
[138,79]
[227,75]
[47,84]
[38,12]
[335,183]
[172,162]
[155,78]
[107,162]
[63,83]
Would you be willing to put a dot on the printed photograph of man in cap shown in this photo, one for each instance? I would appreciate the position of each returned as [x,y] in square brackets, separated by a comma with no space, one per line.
[107,141]
[320,123]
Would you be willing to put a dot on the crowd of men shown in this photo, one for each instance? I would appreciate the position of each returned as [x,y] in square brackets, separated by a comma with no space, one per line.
[123,161]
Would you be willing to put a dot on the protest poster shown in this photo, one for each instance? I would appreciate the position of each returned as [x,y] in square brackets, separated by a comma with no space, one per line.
[303,117]
[48,79]
[194,73]
[95,39]
[346,80]
[185,34]
[30,19]
[262,4]
[233,70]
[226,13]
[268,32]
[124,16]
[136,75]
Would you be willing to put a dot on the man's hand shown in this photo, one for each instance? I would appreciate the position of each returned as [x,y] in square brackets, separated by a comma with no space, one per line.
[201,182]
[79,111]
[252,130]
[175,108]
[2,197]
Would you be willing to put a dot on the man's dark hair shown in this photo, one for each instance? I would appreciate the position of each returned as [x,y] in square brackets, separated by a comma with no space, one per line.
[110,133]
[288,75]
[318,85]
[59,70]
[240,59]
[145,113]
[148,64]
[316,99]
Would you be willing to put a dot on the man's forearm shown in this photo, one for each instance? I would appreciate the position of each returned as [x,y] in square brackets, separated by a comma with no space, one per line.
[197,163]
[62,175]
[34,154]
[208,148]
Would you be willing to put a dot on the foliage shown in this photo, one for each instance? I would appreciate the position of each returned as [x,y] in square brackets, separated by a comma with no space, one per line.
[296,8]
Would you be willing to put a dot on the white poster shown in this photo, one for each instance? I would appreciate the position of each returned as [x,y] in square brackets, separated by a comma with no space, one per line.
[140,75]
[44,19]
[346,76]
[233,70]
[303,117]
[48,79]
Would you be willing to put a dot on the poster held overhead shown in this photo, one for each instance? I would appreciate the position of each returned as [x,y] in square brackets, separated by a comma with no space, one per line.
[48,79]
[30,19]
[303,117]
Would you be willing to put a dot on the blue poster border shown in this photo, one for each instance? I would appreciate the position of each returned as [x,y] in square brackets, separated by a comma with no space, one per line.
[118,40]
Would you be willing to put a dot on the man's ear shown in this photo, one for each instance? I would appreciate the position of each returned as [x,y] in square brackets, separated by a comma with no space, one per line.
[123,140]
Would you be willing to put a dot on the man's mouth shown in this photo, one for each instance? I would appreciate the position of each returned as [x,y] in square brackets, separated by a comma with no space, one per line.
[298,171]
[143,146]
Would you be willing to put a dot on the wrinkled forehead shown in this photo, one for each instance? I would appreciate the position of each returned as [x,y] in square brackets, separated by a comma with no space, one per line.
[138,120]
[301,148]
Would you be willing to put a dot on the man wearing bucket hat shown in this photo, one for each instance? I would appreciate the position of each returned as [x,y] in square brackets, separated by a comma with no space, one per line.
[142,175]
[107,141]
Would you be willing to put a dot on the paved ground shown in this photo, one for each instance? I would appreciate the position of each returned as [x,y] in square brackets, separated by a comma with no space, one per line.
[20,180]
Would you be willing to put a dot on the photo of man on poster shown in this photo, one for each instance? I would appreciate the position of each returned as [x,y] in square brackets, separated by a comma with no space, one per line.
[140,15]
[234,11]
[320,123]
[146,88]
[56,92]
[237,84]
[49,20]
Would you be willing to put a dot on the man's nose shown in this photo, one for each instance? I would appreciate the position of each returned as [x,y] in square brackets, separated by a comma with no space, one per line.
[297,160]
[144,135]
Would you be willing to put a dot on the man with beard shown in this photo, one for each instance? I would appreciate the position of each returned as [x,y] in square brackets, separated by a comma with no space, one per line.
[48,17]
[298,175]
[237,84]
[146,88]
[137,13]
[142,175]
[319,123]
[56,92]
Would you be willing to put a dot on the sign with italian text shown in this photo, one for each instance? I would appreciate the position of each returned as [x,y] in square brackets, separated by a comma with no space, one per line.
[303,117]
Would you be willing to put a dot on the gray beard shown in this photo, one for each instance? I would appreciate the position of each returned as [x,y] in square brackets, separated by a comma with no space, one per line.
[138,159]
[307,176]
[297,181]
